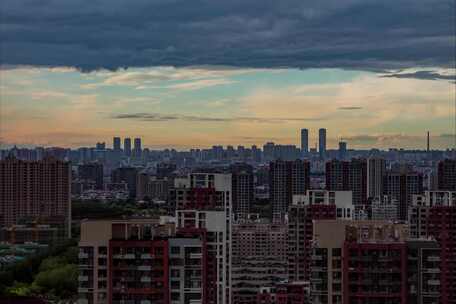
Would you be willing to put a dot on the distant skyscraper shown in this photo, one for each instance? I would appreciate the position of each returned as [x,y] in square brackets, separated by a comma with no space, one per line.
[127,146]
[342,150]
[447,175]
[287,178]
[304,141]
[116,144]
[376,169]
[137,150]
[322,142]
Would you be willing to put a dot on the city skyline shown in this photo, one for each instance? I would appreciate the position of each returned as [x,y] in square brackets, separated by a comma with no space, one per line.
[62,106]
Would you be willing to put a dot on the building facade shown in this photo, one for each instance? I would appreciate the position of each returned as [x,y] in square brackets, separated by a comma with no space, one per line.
[35,196]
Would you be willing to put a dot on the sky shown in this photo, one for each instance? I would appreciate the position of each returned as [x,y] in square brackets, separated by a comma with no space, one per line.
[184,74]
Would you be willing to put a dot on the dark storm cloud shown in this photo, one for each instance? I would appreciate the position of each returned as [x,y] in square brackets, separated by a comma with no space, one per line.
[364,34]
[156,117]
[425,75]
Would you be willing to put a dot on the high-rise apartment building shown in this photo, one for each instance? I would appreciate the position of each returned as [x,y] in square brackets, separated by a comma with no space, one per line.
[243,185]
[376,170]
[304,142]
[447,175]
[402,185]
[287,178]
[423,271]
[127,261]
[203,208]
[92,172]
[35,194]
[359,262]
[322,143]
[127,146]
[116,144]
[348,176]
[434,215]
[259,259]
[315,205]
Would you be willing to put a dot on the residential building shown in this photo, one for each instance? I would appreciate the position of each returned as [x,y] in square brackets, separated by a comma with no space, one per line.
[402,185]
[447,175]
[35,195]
[286,178]
[315,205]
[92,172]
[243,194]
[433,215]
[359,262]
[126,175]
[376,170]
[259,259]
[348,176]
[203,208]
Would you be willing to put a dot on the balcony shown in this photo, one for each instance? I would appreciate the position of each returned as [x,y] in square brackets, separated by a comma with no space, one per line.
[144,268]
[83,255]
[146,279]
[146,256]
[196,255]
[83,278]
[434,282]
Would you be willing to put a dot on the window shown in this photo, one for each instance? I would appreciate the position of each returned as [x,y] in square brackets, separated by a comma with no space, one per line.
[175,250]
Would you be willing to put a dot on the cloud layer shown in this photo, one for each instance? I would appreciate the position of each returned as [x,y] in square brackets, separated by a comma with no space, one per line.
[364,34]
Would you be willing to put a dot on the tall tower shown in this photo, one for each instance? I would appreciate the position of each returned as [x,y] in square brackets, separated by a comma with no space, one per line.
[376,170]
[116,144]
[127,146]
[137,148]
[304,141]
[322,142]
[427,142]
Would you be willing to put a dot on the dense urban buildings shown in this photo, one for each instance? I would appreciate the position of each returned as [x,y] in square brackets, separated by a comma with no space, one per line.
[35,203]
[245,225]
